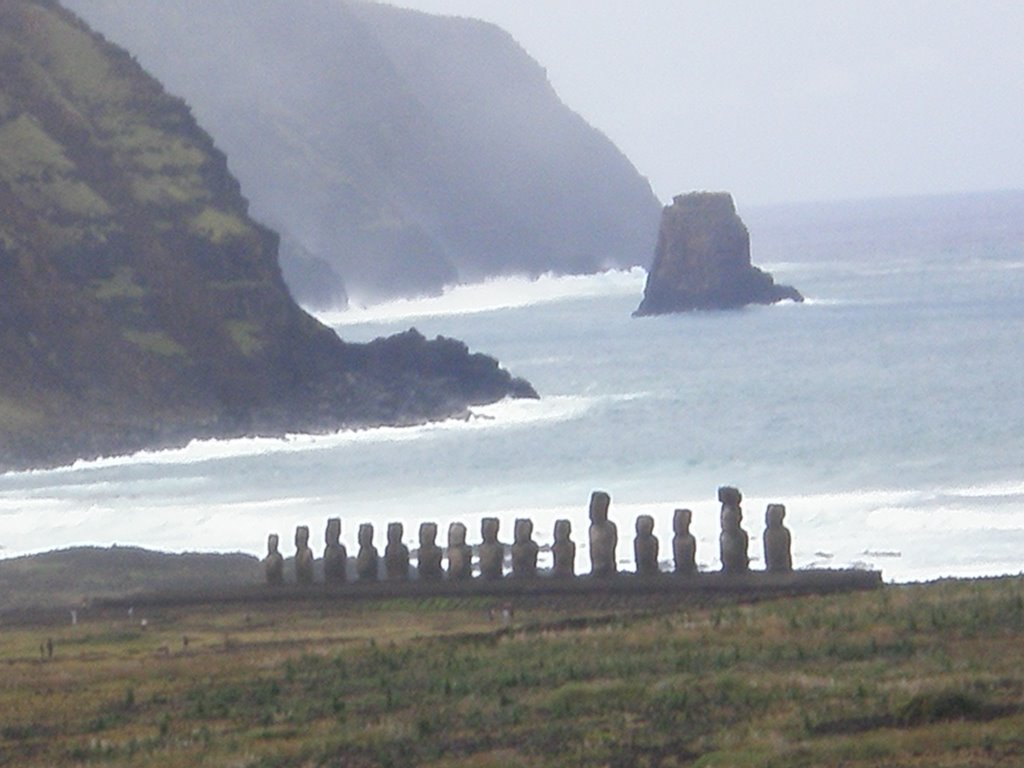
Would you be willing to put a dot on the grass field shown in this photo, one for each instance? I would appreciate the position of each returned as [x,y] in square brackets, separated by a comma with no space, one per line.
[920,675]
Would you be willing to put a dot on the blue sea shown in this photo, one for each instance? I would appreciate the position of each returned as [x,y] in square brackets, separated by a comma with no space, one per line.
[886,412]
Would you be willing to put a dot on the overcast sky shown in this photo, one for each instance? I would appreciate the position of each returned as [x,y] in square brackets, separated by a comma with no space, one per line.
[788,100]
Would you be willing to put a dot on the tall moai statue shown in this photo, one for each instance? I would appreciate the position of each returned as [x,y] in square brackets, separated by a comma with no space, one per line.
[273,563]
[778,553]
[604,536]
[335,554]
[303,556]
[733,541]
[524,550]
[428,561]
[460,554]
[396,554]
[563,551]
[491,551]
[367,559]
[645,547]
[684,545]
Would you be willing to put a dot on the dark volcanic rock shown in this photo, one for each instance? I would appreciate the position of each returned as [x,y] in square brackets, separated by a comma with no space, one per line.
[703,260]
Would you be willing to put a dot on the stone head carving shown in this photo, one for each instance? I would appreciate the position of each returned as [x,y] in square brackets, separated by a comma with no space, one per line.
[460,555]
[604,536]
[366,535]
[302,537]
[428,534]
[563,530]
[273,563]
[396,554]
[428,561]
[333,532]
[684,544]
[645,547]
[456,535]
[335,555]
[395,533]
[489,529]
[778,555]
[491,551]
[733,542]
[303,556]
[367,557]
[524,550]
[523,530]
[729,496]
[774,515]
[563,551]
[599,503]
[681,520]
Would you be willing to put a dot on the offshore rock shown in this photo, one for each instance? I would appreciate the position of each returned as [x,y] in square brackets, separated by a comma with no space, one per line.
[702,260]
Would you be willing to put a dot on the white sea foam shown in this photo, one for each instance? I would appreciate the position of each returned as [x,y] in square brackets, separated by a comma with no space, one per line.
[491,295]
[505,414]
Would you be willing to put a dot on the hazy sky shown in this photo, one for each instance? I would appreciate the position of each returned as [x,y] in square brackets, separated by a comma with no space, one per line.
[786,100]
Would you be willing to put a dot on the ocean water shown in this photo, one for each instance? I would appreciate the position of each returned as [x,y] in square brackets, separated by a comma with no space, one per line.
[886,412]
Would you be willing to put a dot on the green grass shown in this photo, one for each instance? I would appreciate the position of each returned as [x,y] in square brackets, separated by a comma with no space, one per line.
[155,342]
[218,226]
[35,165]
[908,676]
[121,285]
[246,336]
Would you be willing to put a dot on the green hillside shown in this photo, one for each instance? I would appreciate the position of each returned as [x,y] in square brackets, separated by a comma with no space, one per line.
[139,303]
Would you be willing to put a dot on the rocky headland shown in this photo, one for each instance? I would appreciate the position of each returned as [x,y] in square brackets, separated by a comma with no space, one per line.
[141,305]
[702,260]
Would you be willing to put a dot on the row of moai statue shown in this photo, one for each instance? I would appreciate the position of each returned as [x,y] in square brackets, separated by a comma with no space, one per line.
[603,535]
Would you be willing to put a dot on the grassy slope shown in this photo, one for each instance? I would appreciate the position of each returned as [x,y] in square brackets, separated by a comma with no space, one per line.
[910,676]
[140,305]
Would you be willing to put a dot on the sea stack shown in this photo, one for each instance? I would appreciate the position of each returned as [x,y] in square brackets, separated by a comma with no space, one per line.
[703,260]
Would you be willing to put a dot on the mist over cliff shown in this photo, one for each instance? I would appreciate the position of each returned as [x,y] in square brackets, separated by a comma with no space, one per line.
[397,150]
[140,304]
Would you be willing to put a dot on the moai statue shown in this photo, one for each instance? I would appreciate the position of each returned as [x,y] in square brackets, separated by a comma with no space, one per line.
[730,497]
[645,547]
[396,554]
[460,554]
[273,563]
[492,551]
[563,550]
[428,562]
[733,540]
[335,555]
[303,556]
[367,560]
[524,550]
[684,545]
[604,536]
[778,556]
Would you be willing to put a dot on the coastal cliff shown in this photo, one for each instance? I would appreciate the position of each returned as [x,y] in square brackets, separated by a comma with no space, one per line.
[395,149]
[702,260]
[140,304]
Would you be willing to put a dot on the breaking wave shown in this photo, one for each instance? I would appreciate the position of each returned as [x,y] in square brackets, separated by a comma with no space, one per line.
[492,295]
[505,414]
